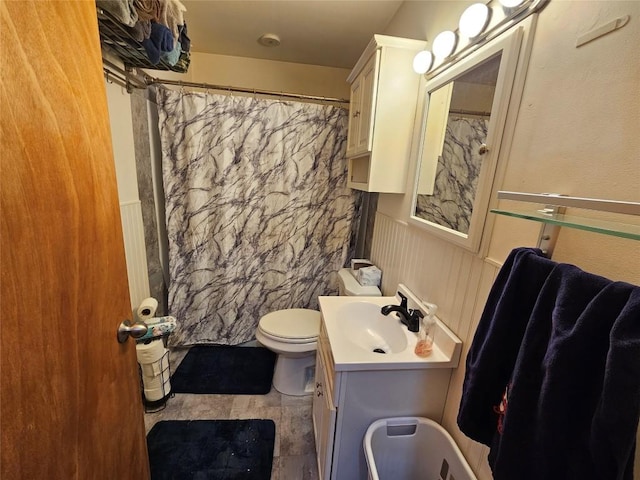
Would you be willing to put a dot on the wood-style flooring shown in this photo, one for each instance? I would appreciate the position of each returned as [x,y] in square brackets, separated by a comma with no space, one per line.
[294,455]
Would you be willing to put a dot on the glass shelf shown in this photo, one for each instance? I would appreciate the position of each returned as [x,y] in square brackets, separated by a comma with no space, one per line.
[617,229]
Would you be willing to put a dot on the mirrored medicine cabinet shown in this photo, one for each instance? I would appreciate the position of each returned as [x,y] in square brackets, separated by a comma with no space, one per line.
[460,131]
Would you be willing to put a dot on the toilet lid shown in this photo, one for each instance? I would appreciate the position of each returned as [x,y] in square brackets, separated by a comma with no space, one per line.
[292,323]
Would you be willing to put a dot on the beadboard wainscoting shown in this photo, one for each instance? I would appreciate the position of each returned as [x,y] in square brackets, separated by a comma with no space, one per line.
[454,279]
[135,251]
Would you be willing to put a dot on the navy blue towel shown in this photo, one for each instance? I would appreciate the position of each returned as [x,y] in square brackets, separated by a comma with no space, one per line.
[553,374]
[160,41]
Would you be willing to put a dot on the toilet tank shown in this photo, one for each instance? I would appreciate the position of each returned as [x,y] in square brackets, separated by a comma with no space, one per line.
[349,286]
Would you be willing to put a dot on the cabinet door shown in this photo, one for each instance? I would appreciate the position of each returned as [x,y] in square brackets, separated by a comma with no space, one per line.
[354,116]
[368,84]
[324,420]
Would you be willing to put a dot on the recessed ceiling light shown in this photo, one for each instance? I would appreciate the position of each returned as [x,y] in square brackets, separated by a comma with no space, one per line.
[269,40]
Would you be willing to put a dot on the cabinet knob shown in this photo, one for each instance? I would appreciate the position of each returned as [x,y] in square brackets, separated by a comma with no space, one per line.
[356,114]
[483,149]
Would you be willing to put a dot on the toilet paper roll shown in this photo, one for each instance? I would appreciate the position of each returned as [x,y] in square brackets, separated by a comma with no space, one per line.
[158,392]
[157,368]
[156,378]
[147,309]
[150,352]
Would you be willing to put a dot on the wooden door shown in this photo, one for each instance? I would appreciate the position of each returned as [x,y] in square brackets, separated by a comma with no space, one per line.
[70,405]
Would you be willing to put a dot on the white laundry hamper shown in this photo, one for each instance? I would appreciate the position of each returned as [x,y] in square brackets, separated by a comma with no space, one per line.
[413,448]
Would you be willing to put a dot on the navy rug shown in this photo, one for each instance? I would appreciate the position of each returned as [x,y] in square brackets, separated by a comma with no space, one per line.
[224,369]
[211,449]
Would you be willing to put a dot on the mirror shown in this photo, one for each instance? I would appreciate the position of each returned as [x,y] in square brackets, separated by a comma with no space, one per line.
[463,118]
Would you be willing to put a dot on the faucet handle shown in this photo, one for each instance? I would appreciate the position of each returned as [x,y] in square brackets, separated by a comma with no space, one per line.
[417,314]
[403,300]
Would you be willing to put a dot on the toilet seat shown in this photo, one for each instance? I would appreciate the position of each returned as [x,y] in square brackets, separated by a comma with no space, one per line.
[293,325]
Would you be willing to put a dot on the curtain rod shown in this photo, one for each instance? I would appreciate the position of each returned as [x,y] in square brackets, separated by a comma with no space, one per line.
[130,81]
[149,80]
[135,81]
[112,77]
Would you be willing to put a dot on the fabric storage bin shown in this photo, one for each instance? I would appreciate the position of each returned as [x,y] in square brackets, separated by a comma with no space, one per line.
[413,448]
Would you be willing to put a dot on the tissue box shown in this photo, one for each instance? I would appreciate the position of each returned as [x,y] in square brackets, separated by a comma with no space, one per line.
[358,263]
[369,276]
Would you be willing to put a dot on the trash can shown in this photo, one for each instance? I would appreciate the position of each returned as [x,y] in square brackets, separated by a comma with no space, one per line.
[413,448]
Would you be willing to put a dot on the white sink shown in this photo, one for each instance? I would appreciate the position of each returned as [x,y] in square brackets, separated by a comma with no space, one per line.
[355,329]
[364,325]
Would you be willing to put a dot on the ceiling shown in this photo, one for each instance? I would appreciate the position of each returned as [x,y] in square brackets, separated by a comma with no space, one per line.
[317,32]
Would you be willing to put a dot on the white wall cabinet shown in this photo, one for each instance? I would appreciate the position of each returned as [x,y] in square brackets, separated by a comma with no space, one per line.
[347,402]
[384,97]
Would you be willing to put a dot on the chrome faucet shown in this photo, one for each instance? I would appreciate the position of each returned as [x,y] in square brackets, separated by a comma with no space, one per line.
[409,317]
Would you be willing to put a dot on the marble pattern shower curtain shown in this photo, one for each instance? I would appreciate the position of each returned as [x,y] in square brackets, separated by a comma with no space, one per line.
[259,216]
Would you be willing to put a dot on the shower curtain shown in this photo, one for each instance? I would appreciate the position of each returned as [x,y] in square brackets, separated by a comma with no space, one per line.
[258,213]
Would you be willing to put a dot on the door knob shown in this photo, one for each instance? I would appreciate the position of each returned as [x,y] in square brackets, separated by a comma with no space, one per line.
[126,329]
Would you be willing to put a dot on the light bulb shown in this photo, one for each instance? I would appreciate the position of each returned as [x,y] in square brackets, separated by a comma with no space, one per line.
[444,44]
[474,20]
[422,61]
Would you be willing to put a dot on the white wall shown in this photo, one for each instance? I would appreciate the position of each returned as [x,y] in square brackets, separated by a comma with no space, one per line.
[253,73]
[119,105]
[576,133]
[270,75]
[122,137]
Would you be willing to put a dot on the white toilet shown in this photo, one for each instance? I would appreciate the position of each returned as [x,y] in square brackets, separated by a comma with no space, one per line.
[293,335]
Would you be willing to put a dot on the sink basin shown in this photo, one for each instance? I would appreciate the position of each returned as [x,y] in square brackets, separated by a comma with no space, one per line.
[364,325]
[353,327]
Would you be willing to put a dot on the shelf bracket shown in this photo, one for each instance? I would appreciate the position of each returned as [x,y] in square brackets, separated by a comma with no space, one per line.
[548,232]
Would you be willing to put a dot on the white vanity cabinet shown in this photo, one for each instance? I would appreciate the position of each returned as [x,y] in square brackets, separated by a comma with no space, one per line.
[347,401]
[324,410]
[384,95]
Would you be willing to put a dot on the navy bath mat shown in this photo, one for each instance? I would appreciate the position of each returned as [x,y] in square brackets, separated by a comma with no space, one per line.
[224,369]
[211,449]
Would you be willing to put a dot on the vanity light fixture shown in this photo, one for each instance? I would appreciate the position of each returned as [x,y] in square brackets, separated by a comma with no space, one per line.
[480,23]
[511,3]
[474,20]
[422,61]
[444,44]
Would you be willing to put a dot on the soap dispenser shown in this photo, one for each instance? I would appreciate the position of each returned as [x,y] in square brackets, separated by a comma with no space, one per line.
[424,347]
